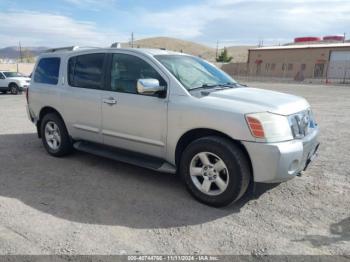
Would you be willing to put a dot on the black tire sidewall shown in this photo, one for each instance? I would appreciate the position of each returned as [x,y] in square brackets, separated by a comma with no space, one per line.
[16,87]
[66,144]
[235,162]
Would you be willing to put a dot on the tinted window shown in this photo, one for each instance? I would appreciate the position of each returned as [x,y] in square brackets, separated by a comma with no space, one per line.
[2,76]
[86,71]
[13,74]
[47,71]
[127,69]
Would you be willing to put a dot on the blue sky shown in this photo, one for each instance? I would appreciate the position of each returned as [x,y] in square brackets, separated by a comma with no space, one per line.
[232,22]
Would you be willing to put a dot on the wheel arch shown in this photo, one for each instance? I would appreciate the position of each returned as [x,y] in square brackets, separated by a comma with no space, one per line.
[197,133]
[44,111]
[12,83]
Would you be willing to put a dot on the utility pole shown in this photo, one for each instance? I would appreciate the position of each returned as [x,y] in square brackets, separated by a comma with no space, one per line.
[132,40]
[217,49]
[20,52]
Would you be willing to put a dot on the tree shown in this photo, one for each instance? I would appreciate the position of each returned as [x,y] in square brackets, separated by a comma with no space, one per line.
[223,57]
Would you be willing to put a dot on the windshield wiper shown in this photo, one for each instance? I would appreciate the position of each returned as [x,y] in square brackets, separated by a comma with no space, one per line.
[208,86]
[204,86]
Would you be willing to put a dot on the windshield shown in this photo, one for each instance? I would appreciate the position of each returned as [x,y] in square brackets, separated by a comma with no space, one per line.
[194,72]
[12,74]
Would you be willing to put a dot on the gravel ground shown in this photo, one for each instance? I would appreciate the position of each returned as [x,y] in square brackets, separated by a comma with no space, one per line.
[83,204]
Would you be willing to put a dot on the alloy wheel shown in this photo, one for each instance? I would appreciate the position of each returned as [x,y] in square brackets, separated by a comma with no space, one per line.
[209,173]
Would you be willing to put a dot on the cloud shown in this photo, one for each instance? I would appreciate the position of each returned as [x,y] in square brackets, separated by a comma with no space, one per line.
[249,21]
[35,28]
[229,21]
[93,5]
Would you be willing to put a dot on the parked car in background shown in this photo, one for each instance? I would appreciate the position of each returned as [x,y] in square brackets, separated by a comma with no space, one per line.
[170,112]
[13,82]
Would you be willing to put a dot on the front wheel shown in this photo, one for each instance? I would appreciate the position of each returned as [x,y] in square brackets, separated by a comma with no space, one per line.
[55,136]
[215,170]
[14,89]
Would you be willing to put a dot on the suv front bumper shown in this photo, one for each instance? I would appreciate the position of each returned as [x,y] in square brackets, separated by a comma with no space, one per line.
[278,162]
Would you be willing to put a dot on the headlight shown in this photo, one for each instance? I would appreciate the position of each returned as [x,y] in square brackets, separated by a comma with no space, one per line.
[269,127]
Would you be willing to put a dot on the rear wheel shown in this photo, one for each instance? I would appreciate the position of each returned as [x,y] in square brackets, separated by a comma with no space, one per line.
[55,136]
[14,89]
[215,170]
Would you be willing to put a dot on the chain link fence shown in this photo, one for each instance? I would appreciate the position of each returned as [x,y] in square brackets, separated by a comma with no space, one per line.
[333,72]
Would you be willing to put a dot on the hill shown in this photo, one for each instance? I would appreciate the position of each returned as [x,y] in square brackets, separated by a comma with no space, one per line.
[12,52]
[239,53]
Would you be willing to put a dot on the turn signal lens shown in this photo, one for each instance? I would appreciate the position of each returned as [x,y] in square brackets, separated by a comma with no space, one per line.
[255,127]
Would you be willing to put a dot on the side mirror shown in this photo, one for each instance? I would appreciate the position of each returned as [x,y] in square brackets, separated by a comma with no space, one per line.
[149,86]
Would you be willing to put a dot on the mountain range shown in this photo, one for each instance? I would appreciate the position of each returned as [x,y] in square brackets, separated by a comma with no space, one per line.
[239,53]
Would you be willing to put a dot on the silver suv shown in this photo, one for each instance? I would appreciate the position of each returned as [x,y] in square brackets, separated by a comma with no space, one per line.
[170,112]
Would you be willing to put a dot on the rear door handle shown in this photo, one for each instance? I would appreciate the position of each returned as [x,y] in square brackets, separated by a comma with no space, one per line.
[109,101]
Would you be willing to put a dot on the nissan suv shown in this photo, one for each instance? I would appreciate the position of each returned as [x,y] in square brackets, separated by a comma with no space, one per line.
[170,112]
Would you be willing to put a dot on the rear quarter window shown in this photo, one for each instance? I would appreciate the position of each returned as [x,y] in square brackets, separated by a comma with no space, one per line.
[47,71]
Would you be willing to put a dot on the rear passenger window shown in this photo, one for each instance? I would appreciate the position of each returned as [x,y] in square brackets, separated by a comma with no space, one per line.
[47,71]
[86,71]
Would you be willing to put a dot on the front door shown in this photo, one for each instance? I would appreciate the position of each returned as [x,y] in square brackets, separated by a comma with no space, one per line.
[129,120]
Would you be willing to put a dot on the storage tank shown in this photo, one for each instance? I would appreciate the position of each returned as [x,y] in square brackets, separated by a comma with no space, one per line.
[306,39]
[334,38]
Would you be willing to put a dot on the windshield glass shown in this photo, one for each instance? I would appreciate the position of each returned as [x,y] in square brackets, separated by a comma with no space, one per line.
[194,72]
[12,74]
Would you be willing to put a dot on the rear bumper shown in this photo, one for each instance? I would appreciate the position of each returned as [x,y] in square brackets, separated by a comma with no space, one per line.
[278,162]
[29,114]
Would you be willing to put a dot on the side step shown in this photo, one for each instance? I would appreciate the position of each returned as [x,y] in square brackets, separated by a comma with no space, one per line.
[125,156]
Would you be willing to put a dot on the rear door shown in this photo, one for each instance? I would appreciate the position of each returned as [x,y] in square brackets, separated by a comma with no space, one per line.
[82,97]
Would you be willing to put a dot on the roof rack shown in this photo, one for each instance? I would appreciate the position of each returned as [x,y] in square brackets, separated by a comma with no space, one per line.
[68,48]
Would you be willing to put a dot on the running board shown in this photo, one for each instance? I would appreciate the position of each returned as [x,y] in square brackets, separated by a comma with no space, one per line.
[125,156]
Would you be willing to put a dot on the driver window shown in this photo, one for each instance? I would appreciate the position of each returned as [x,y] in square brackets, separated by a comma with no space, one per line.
[2,76]
[127,69]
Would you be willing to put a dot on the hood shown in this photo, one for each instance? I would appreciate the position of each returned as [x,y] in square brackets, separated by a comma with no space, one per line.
[259,100]
[19,78]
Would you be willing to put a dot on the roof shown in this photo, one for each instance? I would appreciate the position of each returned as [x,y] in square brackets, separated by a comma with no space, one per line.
[335,45]
[72,49]
[152,51]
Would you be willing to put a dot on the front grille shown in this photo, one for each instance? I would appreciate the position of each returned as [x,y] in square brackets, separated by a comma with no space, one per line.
[302,123]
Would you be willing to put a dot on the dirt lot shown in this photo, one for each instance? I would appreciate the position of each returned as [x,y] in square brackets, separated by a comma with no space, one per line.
[83,204]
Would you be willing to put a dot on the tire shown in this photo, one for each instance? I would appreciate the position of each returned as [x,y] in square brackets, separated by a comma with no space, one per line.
[214,183]
[14,89]
[53,129]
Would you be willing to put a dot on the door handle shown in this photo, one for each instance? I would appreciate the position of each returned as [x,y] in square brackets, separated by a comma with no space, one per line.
[109,101]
